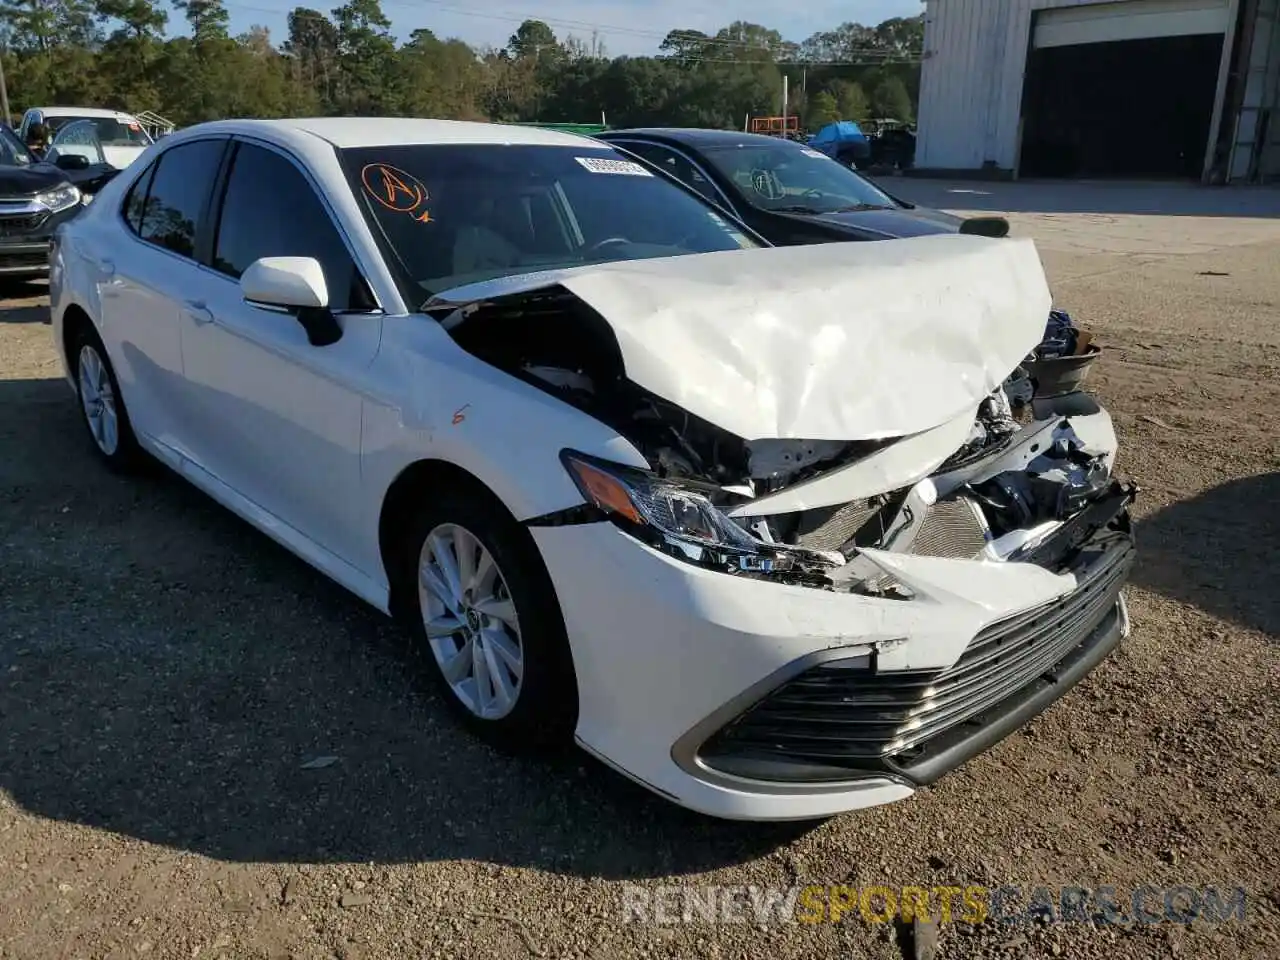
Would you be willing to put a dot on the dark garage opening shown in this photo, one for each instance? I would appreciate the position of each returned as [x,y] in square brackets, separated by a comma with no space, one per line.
[1128,108]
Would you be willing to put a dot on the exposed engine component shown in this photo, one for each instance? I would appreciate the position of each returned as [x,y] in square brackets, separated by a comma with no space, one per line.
[1055,485]
[1061,336]
[774,464]
[993,427]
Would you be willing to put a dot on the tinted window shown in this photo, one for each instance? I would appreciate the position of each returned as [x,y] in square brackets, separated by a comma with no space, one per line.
[675,164]
[12,151]
[108,130]
[182,181]
[271,210]
[788,176]
[464,213]
[135,201]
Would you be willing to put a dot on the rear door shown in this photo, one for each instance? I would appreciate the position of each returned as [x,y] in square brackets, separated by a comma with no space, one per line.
[143,286]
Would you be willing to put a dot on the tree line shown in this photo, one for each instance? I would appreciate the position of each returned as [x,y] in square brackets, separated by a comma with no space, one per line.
[115,53]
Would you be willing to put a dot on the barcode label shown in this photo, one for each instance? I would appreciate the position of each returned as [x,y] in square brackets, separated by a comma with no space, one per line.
[624,167]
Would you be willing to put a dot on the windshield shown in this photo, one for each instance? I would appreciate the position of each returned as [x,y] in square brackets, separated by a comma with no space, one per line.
[12,152]
[790,177]
[459,214]
[109,131]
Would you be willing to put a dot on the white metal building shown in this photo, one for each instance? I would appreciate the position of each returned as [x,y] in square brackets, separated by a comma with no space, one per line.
[1081,88]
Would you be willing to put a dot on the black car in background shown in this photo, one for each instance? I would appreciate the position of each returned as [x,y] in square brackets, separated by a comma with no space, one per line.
[786,191]
[35,199]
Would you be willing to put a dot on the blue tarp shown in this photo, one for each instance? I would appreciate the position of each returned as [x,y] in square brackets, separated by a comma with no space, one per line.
[835,135]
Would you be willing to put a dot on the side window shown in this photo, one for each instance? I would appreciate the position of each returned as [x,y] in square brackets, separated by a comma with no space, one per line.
[135,201]
[271,210]
[179,187]
[658,156]
[676,165]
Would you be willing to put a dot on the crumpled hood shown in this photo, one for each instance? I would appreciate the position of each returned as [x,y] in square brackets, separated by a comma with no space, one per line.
[839,341]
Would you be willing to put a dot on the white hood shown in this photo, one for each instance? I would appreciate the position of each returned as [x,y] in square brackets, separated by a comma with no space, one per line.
[838,341]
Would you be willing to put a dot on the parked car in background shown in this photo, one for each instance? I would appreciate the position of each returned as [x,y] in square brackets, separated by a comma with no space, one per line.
[628,475]
[35,199]
[789,192]
[100,136]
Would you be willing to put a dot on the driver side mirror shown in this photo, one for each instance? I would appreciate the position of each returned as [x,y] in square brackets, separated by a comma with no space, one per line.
[71,161]
[297,285]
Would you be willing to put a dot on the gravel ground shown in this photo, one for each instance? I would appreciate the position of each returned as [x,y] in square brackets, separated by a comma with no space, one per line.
[166,673]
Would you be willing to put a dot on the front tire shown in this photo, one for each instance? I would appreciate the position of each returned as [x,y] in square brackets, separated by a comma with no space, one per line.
[102,406]
[482,611]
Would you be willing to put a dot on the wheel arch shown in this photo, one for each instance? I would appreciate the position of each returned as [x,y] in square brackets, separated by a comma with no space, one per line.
[75,322]
[428,478]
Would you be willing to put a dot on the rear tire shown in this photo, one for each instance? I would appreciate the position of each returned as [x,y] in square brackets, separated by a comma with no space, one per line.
[482,613]
[102,408]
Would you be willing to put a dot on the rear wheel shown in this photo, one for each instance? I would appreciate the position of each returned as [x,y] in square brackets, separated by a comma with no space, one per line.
[481,604]
[101,405]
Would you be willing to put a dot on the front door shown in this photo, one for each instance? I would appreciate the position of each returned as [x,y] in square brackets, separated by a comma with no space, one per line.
[278,419]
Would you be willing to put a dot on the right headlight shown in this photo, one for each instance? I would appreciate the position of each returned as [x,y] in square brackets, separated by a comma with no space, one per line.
[679,518]
[59,198]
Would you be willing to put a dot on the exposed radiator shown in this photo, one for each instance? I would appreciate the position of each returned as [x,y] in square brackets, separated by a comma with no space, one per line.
[952,528]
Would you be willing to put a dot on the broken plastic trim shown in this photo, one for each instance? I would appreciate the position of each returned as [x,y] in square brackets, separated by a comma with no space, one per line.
[583,513]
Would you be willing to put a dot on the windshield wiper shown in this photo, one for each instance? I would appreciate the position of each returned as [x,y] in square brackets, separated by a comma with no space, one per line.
[862,206]
[797,208]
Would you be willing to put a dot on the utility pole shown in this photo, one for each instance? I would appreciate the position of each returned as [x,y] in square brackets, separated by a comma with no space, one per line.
[4,93]
[784,104]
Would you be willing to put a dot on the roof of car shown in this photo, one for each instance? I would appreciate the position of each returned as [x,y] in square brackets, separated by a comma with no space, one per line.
[84,112]
[396,131]
[697,137]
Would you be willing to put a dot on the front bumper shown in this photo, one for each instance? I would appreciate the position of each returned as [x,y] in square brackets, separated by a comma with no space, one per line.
[736,697]
[26,233]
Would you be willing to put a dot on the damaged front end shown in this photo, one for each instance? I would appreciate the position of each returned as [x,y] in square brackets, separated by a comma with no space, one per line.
[994,484]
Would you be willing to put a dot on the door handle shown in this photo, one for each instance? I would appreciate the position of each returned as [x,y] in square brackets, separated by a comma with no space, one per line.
[200,313]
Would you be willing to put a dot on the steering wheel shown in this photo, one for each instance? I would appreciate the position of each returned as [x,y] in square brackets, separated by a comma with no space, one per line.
[813,193]
[600,245]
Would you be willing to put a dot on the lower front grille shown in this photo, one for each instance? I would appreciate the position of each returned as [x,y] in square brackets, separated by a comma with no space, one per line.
[841,720]
[39,258]
[14,226]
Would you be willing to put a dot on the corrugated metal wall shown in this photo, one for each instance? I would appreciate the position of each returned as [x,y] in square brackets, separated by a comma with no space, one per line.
[971,81]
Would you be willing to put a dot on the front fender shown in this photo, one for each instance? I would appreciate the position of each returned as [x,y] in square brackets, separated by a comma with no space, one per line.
[431,400]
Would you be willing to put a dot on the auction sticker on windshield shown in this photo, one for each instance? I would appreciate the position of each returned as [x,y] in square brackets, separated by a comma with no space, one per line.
[624,167]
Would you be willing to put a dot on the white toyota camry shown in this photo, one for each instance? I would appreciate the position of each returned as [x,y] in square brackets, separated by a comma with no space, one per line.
[761,528]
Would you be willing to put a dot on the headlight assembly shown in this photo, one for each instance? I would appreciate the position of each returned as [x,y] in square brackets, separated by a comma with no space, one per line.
[59,198]
[679,519]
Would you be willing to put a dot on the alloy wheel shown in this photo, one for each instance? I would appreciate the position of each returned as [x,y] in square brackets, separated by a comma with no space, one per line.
[470,621]
[98,399]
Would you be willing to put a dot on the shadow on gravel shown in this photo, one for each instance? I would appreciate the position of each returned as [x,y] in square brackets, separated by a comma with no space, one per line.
[24,313]
[167,672]
[1219,551]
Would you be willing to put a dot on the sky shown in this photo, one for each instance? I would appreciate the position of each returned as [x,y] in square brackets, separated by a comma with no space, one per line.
[634,27]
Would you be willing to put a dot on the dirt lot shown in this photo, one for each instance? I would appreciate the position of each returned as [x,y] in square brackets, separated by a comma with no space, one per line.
[166,672]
